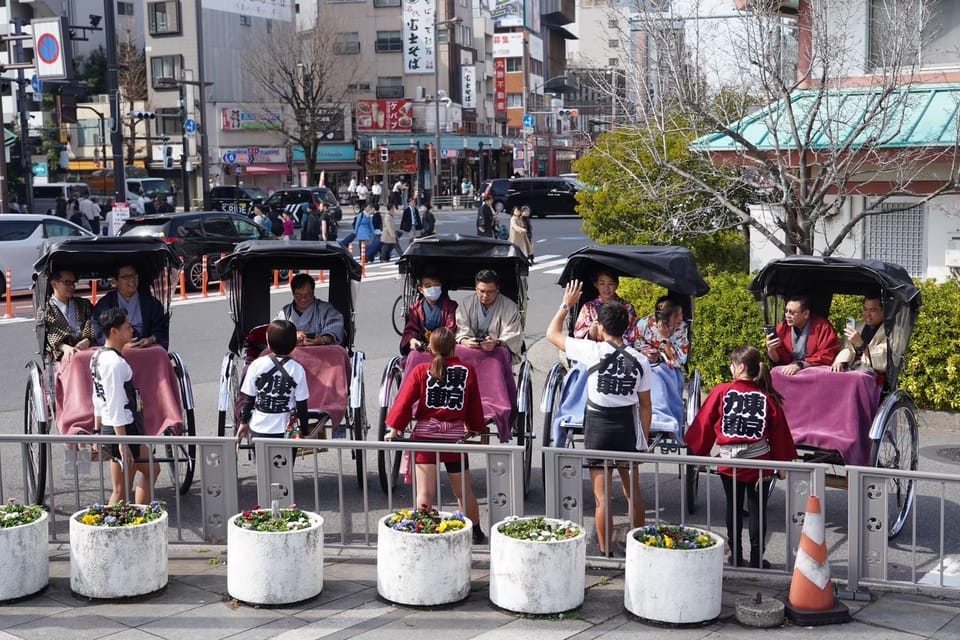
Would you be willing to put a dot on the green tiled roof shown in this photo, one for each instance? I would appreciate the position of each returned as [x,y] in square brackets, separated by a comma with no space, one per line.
[920,116]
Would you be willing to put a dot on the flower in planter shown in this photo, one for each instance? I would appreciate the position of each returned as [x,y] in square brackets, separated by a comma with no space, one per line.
[538,529]
[122,514]
[14,514]
[666,536]
[288,519]
[426,520]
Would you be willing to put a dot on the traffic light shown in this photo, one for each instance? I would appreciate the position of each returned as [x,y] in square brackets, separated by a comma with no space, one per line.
[167,157]
[567,113]
[142,115]
[384,154]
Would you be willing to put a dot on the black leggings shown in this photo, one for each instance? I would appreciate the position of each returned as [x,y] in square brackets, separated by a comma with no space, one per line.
[758,518]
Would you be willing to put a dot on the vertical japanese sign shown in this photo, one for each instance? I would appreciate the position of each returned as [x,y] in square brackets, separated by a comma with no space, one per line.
[419,44]
[468,88]
[500,86]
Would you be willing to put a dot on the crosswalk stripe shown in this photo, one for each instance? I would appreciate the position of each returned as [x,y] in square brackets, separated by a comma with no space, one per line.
[540,266]
[554,272]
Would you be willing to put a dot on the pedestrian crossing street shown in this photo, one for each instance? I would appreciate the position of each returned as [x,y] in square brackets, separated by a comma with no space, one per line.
[550,264]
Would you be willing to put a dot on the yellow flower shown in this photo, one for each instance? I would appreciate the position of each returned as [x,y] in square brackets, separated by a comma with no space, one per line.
[91,519]
[138,520]
[668,542]
[651,542]
[442,527]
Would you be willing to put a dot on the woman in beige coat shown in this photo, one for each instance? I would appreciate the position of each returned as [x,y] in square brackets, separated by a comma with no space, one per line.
[521,231]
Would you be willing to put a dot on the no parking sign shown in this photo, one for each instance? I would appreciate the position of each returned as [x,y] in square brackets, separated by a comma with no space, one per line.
[52,52]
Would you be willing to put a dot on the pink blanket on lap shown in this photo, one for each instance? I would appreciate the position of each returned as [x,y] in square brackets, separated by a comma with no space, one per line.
[328,379]
[152,374]
[498,388]
[830,410]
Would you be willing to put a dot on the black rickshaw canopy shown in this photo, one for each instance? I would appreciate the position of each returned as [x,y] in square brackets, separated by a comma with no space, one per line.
[99,257]
[249,274]
[673,268]
[457,258]
[820,278]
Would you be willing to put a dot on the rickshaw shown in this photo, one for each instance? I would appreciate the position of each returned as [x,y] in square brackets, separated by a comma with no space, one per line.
[170,408]
[674,269]
[458,258]
[888,438]
[334,372]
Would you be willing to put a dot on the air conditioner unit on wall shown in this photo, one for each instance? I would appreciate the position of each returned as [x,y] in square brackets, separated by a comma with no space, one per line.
[420,94]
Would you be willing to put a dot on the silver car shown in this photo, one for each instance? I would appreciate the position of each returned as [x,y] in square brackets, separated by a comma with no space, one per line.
[23,239]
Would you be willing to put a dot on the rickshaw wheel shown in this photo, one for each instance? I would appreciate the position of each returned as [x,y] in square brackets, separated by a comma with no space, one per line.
[399,315]
[388,462]
[692,471]
[896,448]
[233,393]
[692,482]
[546,432]
[181,459]
[34,455]
[524,426]
[358,429]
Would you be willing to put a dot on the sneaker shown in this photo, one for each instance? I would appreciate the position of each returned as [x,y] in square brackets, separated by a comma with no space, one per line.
[478,536]
[340,432]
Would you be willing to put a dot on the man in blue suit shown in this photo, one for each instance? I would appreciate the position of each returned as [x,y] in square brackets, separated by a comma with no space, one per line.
[151,323]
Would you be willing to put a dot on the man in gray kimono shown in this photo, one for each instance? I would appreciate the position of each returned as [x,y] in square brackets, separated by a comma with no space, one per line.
[488,319]
[317,322]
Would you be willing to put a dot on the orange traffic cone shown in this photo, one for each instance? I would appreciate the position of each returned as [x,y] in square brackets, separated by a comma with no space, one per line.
[812,602]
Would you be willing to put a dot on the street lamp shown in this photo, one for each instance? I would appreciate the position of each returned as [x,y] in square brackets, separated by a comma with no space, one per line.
[103,136]
[436,95]
[181,85]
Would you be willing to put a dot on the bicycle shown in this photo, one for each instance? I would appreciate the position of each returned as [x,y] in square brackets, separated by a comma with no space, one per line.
[399,315]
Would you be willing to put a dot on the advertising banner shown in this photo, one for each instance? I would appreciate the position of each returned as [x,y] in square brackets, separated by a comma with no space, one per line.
[507,13]
[419,45]
[233,119]
[508,45]
[468,88]
[500,86]
[385,115]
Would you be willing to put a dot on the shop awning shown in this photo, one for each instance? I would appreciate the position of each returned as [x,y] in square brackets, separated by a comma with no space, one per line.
[265,170]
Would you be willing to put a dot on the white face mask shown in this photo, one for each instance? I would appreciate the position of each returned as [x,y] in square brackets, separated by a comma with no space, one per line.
[432,293]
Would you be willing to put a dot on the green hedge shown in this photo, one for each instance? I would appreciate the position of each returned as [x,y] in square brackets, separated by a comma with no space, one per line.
[729,317]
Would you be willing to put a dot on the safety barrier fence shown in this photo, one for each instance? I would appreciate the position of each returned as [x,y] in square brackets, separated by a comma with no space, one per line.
[321,476]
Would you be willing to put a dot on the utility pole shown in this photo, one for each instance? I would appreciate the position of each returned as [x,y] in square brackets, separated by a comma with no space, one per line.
[116,130]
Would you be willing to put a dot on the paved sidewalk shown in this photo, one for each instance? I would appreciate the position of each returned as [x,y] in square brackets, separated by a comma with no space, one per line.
[194,606]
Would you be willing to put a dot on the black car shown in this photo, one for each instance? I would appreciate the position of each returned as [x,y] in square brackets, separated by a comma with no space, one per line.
[544,196]
[236,199]
[497,188]
[196,234]
[291,199]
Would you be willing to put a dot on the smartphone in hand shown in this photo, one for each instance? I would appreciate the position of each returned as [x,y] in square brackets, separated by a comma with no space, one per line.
[851,324]
[770,330]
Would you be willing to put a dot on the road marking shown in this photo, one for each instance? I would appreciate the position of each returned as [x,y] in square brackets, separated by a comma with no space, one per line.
[540,266]
[554,272]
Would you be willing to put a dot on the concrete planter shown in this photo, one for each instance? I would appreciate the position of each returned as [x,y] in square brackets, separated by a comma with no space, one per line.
[675,586]
[423,569]
[118,562]
[537,577]
[266,567]
[24,565]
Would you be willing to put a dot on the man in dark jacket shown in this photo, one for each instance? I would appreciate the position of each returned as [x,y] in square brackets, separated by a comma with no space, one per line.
[485,217]
[310,227]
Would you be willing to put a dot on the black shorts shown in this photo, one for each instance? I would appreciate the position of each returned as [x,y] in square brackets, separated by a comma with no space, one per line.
[610,429]
[140,451]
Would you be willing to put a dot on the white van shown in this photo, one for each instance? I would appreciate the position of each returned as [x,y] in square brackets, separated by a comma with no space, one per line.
[141,189]
[45,195]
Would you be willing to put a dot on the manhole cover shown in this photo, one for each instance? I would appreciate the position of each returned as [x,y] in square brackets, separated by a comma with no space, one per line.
[949,455]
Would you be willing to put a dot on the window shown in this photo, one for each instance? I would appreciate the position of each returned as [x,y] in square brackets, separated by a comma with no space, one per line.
[898,237]
[347,43]
[389,41]
[164,17]
[613,62]
[614,44]
[443,35]
[386,3]
[612,23]
[390,87]
[13,231]
[218,226]
[246,21]
[54,229]
[165,67]
[514,101]
[168,121]
[514,65]
[245,229]
[124,8]
[359,87]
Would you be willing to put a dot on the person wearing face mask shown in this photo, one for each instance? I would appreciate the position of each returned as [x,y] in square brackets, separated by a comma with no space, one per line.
[432,309]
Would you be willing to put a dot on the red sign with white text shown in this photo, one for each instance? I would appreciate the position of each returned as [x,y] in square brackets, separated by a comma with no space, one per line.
[385,115]
[500,85]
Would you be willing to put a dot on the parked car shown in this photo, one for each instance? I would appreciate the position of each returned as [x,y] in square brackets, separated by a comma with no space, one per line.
[45,195]
[23,238]
[236,199]
[544,196]
[498,188]
[196,234]
[291,199]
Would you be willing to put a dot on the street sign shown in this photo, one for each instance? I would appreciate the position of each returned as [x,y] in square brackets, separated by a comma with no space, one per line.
[36,83]
[529,121]
[234,157]
[52,57]
[189,126]
[40,169]
[121,213]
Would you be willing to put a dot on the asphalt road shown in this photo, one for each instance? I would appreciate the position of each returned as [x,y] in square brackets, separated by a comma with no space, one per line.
[200,330]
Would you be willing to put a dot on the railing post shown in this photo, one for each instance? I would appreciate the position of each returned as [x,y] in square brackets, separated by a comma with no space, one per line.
[274,466]
[219,492]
